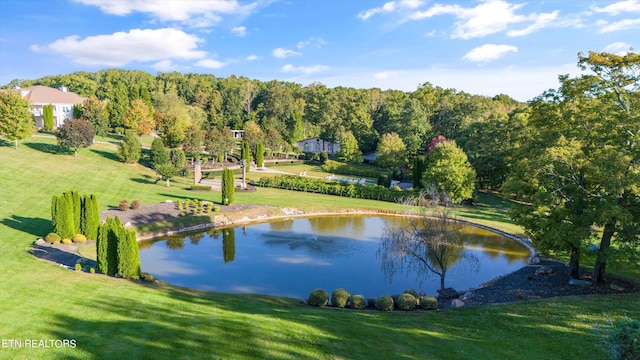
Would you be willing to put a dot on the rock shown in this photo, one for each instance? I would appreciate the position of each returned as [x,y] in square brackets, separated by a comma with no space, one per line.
[544,271]
[40,242]
[448,293]
[168,201]
[457,303]
[616,287]
[127,224]
[468,295]
[534,260]
[579,282]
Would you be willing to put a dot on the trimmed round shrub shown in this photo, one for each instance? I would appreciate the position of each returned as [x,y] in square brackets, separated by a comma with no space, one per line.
[79,238]
[57,242]
[66,241]
[428,302]
[357,302]
[52,238]
[318,297]
[124,205]
[384,303]
[216,208]
[407,302]
[339,298]
[135,204]
[414,293]
[371,302]
[92,270]
[78,267]
[147,277]
[183,214]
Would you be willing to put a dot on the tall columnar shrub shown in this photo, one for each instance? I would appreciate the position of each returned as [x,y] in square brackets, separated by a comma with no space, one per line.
[90,216]
[77,210]
[102,247]
[54,213]
[245,154]
[128,254]
[112,249]
[64,217]
[228,187]
[47,117]
[339,298]
[259,155]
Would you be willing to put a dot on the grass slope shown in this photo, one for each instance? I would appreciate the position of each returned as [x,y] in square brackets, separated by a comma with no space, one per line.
[111,318]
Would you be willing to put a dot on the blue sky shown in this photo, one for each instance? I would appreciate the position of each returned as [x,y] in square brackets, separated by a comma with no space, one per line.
[482,47]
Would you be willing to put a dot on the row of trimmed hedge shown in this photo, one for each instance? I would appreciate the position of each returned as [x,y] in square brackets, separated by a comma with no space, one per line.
[306,184]
[360,170]
[341,298]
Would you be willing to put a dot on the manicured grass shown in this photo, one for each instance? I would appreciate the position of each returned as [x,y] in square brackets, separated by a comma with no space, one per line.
[114,318]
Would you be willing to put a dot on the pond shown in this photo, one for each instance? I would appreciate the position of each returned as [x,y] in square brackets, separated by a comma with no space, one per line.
[292,257]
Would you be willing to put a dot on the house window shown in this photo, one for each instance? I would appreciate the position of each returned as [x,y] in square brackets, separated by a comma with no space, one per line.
[65,109]
[306,147]
[330,148]
[317,147]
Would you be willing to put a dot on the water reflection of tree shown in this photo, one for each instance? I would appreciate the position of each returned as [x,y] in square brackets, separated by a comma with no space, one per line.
[285,225]
[175,242]
[229,244]
[430,242]
[196,237]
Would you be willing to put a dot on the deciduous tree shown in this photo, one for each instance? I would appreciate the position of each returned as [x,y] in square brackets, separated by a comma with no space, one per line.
[16,121]
[448,169]
[75,134]
[391,151]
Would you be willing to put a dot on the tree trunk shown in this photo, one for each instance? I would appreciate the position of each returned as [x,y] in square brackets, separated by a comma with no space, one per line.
[442,282]
[168,182]
[601,261]
[16,144]
[574,263]
[75,153]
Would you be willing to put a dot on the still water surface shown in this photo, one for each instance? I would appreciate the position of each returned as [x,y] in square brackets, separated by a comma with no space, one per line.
[292,257]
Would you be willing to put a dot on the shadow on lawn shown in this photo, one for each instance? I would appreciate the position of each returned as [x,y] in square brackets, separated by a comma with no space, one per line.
[47,148]
[130,328]
[106,154]
[34,226]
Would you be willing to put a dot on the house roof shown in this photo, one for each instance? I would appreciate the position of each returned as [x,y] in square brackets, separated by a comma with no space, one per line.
[45,95]
[317,138]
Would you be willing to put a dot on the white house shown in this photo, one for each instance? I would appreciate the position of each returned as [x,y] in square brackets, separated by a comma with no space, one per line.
[317,145]
[61,100]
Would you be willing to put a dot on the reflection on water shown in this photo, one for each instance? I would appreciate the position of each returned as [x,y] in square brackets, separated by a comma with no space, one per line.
[293,257]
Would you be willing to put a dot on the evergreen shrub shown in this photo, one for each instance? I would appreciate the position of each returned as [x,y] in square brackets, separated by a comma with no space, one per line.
[79,238]
[407,302]
[52,237]
[371,302]
[357,302]
[623,340]
[66,241]
[318,297]
[414,293]
[384,303]
[339,298]
[135,204]
[428,302]
[78,267]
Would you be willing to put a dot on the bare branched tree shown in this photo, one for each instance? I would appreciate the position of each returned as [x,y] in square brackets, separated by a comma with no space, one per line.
[430,242]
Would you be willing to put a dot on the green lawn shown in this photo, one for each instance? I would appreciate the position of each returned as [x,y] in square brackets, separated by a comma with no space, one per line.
[118,319]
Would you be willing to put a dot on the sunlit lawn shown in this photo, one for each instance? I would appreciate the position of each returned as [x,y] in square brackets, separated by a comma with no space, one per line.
[113,319]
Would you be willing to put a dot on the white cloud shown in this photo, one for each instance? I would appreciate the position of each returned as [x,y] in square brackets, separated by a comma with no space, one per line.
[390,7]
[122,48]
[239,30]
[539,21]
[626,24]
[489,52]
[210,63]
[253,58]
[619,48]
[197,13]
[282,53]
[619,7]
[312,41]
[304,69]
[164,65]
